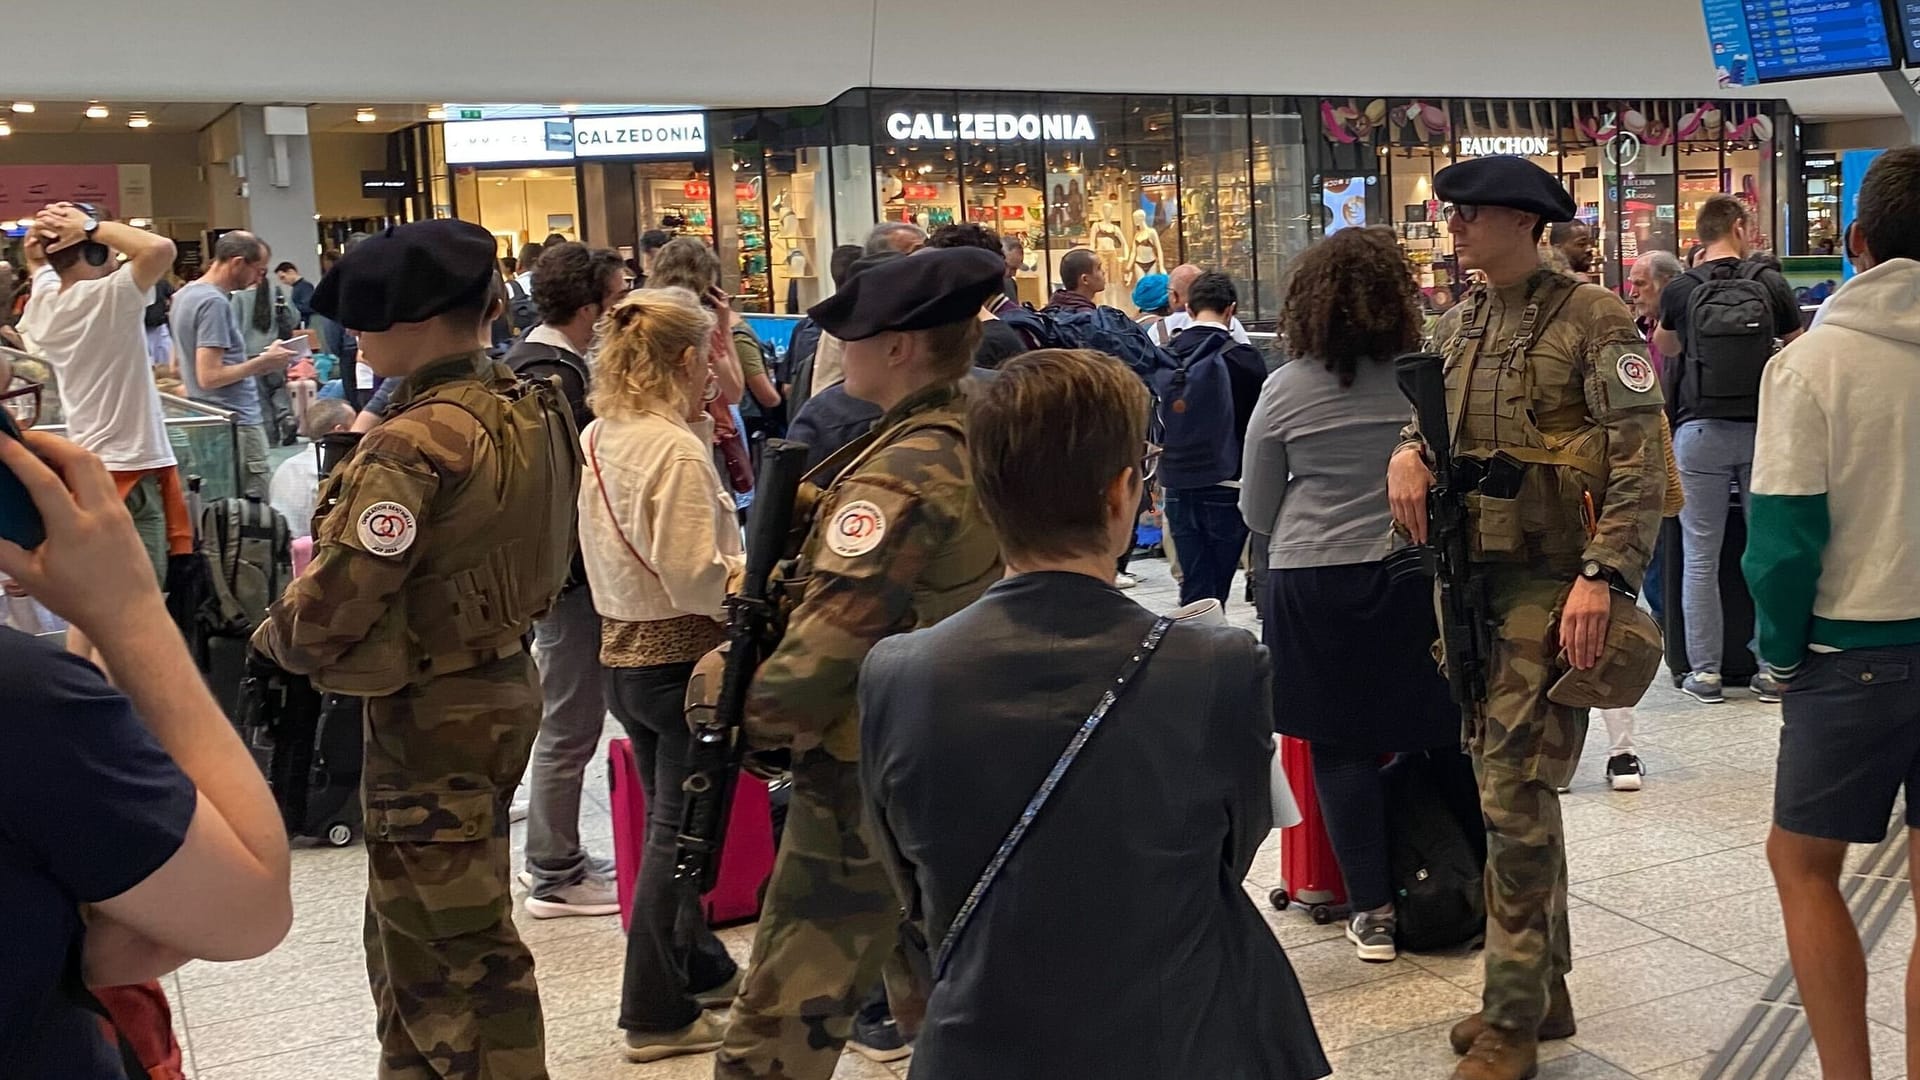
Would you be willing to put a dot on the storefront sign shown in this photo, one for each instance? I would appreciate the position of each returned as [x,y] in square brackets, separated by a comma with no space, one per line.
[1493,145]
[921,192]
[697,189]
[1158,179]
[645,135]
[992,127]
[485,142]
[384,185]
[25,189]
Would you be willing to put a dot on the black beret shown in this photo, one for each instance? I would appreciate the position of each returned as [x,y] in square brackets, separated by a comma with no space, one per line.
[1505,181]
[918,292]
[408,274]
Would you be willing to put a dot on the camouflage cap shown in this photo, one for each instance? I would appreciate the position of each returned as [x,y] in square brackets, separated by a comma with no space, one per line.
[1627,665]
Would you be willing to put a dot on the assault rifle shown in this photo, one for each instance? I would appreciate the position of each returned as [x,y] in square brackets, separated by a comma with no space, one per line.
[717,695]
[1465,626]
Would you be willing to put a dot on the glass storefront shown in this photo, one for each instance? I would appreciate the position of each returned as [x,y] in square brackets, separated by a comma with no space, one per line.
[1236,182]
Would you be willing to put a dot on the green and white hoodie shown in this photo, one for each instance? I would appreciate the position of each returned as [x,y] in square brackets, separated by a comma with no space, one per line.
[1833,540]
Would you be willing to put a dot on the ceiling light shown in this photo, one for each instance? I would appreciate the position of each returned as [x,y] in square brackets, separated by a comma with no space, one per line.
[138,120]
[365,116]
[570,108]
[6,129]
[437,113]
[97,111]
[23,106]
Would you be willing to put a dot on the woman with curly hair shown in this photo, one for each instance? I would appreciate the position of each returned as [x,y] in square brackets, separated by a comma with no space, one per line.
[1352,673]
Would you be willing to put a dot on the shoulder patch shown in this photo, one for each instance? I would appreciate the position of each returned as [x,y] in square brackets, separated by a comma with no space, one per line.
[387,528]
[1636,372]
[856,529]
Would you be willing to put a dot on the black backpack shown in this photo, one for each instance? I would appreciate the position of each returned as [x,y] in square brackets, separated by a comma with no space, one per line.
[522,314]
[1730,336]
[1436,868]
[1104,329]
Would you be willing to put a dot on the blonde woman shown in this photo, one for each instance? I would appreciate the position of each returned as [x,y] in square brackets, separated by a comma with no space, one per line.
[659,538]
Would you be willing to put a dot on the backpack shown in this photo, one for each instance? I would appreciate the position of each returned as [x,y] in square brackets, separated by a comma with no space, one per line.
[1193,418]
[249,554]
[1103,329]
[522,314]
[1438,898]
[1730,336]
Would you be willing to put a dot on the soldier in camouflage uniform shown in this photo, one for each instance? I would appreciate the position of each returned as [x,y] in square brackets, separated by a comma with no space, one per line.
[898,543]
[1548,382]
[435,546]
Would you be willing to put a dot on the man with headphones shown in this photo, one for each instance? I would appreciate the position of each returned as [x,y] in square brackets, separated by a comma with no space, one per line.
[87,319]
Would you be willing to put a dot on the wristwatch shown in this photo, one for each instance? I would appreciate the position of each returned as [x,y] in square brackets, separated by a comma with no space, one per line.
[1594,571]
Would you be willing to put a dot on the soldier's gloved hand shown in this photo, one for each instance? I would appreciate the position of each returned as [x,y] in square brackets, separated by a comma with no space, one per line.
[768,765]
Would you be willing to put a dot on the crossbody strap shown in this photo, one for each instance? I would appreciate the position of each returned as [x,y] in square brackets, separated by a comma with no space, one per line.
[600,482]
[1040,796]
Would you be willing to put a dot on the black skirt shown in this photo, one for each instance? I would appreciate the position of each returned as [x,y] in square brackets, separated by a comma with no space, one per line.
[1352,660]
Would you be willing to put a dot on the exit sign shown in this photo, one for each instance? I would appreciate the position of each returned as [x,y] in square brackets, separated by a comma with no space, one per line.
[470,114]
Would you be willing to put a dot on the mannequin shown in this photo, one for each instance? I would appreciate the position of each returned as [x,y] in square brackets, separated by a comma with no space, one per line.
[1147,258]
[1110,243]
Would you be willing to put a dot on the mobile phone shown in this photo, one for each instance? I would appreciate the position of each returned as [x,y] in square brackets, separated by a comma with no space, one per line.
[19,518]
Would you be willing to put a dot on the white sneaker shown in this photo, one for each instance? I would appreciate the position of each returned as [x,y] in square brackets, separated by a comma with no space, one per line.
[1125,581]
[591,895]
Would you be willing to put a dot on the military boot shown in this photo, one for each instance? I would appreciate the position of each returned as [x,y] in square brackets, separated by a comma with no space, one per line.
[1558,1023]
[1499,1054]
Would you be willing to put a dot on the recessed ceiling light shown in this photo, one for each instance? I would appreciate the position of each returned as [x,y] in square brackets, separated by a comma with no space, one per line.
[97,111]
[138,120]
[365,116]
[436,113]
[23,106]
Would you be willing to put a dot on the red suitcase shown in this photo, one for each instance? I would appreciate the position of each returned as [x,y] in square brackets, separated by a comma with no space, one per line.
[1309,872]
[745,862]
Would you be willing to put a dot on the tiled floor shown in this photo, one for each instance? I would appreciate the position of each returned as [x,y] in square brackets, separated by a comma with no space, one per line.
[1676,936]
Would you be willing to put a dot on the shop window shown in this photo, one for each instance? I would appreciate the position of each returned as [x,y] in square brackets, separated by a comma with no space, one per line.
[1349,159]
[1282,221]
[799,194]
[851,166]
[1748,172]
[740,213]
[519,206]
[917,170]
[1005,188]
[1216,199]
[1093,194]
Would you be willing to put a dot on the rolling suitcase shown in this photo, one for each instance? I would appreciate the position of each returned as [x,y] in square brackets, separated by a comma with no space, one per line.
[1309,872]
[745,863]
[1737,664]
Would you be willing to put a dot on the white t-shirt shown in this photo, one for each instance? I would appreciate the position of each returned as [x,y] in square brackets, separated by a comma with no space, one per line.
[293,490]
[1180,320]
[94,335]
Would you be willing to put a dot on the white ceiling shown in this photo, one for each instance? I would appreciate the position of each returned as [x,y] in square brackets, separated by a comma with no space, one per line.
[69,117]
[761,52]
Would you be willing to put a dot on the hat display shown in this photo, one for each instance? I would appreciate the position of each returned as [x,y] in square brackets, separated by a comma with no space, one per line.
[932,287]
[408,274]
[1505,181]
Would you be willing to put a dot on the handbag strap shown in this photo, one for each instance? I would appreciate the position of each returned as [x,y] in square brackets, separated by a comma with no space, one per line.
[599,481]
[1021,825]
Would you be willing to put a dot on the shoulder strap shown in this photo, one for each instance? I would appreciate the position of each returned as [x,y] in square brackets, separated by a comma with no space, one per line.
[1045,791]
[599,481]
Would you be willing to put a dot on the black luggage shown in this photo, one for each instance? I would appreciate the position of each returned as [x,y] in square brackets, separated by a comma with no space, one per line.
[308,744]
[1737,664]
[1437,849]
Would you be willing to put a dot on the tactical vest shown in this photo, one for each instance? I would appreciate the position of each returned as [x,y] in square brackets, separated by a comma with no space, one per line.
[1543,474]
[496,549]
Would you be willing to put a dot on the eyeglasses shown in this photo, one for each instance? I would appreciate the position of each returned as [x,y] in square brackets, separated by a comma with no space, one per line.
[1150,462]
[22,401]
[1466,212]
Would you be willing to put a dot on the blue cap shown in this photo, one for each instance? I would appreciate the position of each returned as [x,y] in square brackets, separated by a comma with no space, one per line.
[1150,292]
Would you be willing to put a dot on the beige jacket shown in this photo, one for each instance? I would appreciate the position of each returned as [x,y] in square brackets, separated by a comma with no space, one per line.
[671,540]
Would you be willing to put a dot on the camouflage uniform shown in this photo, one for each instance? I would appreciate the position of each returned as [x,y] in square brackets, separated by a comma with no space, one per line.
[898,543]
[1581,408]
[423,613]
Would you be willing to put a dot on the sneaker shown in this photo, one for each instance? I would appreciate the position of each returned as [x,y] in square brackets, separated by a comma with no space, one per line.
[702,1036]
[1704,687]
[721,996]
[1125,580]
[591,895]
[1766,688]
[1624,772]
[1372,937]
[879,1040]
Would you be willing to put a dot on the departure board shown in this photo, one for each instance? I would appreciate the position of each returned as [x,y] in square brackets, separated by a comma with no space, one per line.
[1909,11]
[1758,41]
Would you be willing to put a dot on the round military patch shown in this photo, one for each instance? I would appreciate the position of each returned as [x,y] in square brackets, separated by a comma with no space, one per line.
[1636,373]
[856,529]
[387,528]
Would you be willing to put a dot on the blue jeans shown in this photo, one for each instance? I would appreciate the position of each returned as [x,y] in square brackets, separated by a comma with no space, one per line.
[1713,455]
[1211,534]
[1653,583]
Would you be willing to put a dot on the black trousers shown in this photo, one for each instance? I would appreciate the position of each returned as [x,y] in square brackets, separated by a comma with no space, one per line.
[1354,802]
[671,953]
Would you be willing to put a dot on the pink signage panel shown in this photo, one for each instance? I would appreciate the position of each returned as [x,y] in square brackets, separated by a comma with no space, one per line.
[24,189]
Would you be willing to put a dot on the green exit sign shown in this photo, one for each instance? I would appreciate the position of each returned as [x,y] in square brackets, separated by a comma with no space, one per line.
[469,114]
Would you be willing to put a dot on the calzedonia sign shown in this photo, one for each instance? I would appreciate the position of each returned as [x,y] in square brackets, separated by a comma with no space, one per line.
[992,127]
[484,142]
[635,136]
[1495,145]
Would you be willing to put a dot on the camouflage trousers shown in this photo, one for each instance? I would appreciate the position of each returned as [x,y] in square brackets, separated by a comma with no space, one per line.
[1524,749]
[828,930]
[452,982]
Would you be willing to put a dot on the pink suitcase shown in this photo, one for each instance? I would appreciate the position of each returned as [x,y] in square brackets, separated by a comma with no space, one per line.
[1309,871]
[745,863]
